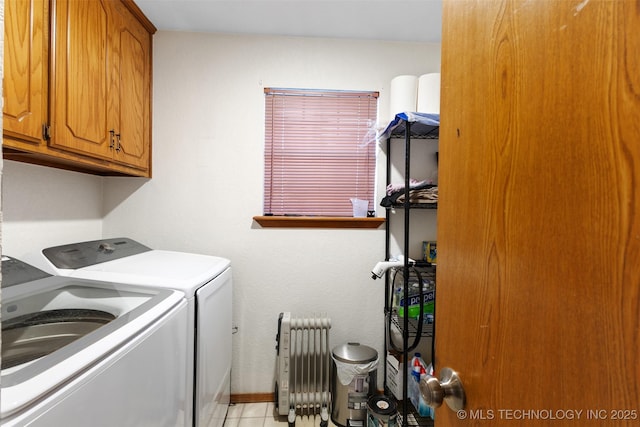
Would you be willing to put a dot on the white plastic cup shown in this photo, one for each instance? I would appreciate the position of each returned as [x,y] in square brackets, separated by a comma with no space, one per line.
[359,207]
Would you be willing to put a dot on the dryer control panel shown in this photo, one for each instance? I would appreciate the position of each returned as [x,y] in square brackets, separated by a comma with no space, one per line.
[84,254]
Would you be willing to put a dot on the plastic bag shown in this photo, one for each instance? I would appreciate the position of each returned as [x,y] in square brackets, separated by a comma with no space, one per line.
[348,371]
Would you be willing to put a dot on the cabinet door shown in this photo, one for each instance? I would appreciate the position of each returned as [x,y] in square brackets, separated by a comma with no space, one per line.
[83,105]
[24,88]
[133,81]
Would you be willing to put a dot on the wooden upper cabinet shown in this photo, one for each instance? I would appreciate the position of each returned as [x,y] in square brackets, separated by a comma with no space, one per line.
[101,79]
[82,70]
[80,118]
[134,85]
[24,88]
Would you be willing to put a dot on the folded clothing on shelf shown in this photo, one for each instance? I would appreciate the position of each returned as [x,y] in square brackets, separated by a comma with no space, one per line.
[422,193]
[413,183]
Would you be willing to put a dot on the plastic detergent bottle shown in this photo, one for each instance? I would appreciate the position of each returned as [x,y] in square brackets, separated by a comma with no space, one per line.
[429,371]
[418,371]
[416,366]
[414,379]
[423,409]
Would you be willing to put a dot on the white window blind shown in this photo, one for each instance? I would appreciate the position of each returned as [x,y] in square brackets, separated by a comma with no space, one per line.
[317,156]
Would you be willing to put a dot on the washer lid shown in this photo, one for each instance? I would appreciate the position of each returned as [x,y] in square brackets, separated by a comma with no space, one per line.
[166,269]
[124,260]
[135,308]
[353,352]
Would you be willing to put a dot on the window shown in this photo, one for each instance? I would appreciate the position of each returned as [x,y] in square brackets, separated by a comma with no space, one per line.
[319,152]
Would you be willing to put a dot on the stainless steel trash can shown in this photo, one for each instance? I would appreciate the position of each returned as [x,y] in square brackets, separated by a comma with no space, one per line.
[353,382]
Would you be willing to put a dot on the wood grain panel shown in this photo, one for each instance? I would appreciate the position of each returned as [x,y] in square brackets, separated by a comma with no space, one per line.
[134,87]
[24,87]
[538,228]
[80,116]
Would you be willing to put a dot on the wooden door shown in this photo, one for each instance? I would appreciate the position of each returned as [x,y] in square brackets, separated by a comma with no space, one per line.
[538,220]
[133,79]
[24,88]
[83,107]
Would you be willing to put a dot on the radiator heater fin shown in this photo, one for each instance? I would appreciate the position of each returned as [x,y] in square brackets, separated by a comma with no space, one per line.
[303,363]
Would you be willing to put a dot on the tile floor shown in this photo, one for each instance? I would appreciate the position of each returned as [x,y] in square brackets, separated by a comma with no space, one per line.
[263,415]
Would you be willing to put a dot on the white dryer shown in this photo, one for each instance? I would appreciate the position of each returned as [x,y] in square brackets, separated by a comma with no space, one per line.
[76,352]
[207,283]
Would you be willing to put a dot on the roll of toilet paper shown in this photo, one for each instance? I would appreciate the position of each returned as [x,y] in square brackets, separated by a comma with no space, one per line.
[403,95]
[429,93]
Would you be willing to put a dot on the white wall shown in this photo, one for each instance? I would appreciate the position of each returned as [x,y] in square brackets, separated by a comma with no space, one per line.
[208,134]
[42,206]
[45,207]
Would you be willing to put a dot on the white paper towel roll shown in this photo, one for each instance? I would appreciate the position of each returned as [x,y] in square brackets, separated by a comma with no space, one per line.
[429,93]
[403,95]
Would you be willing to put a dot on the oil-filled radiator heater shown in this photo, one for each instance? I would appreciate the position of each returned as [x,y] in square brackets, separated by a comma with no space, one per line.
[302,367]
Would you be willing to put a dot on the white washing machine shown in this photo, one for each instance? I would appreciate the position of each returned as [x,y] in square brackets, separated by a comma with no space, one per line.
[76,352]
[207,284]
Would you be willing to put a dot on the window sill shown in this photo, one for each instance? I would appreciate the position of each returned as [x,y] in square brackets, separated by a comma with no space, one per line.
[318,222]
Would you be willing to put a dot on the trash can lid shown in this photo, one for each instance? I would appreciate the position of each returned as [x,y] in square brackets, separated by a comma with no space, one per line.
[353,352]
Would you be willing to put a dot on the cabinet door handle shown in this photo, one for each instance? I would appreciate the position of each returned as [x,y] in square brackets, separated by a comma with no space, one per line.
[111,139]
[118,147]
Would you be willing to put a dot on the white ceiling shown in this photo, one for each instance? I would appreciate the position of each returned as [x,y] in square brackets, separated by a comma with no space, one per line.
[393,20]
